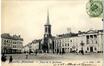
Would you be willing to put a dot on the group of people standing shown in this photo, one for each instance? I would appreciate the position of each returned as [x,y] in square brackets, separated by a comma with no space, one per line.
[4,58]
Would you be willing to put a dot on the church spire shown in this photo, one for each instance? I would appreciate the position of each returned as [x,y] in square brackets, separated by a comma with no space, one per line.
[48,21]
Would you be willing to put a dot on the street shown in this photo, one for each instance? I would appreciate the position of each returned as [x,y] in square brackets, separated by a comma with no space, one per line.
[67,56]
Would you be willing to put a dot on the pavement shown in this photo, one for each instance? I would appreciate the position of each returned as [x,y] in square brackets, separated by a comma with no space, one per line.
[67,56]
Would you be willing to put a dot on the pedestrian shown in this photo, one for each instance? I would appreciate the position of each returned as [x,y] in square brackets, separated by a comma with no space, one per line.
[77,51]
[82,52]
[10,59]
[26,56]
[3,58]
[36,52]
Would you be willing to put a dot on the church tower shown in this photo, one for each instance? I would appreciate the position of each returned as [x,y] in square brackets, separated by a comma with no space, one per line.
[47,27]
[47,40]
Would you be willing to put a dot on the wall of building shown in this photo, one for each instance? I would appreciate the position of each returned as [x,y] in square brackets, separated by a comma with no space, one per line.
[31,47]
[90,42]
[11,46]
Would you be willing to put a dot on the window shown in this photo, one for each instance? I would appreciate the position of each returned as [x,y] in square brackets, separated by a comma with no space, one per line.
[95,36]
[96,42]
[87,37]
[65,44]
[95,48]
[45,29]
[70,40]
[55,50]
[87,48]
[7,40]
[49,30]
[4,41]
[68,44]
[91,36]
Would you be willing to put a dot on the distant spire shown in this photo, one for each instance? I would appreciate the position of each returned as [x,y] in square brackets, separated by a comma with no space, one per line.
[48,21]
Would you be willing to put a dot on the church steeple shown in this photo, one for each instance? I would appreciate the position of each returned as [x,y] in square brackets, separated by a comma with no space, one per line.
[48,21]
[47,26]
[47,42]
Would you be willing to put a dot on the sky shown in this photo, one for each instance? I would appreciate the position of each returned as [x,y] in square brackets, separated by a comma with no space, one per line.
[27,17]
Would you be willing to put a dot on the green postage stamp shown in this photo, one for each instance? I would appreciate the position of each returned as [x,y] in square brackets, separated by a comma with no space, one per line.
[94,8]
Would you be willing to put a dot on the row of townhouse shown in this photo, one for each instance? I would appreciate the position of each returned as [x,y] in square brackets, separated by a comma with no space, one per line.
[11,44]
[90,41]
[31,47]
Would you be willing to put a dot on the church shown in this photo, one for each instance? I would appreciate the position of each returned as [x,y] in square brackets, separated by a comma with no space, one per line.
[47,43]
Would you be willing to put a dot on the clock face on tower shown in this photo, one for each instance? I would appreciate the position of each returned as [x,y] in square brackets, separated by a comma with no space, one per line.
[94,8]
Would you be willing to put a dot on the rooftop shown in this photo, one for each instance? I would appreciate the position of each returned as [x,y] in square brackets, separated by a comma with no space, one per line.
[13,37]
[68,35]
[79,32]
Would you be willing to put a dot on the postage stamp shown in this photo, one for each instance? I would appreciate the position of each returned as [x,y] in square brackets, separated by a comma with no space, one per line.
[94,8]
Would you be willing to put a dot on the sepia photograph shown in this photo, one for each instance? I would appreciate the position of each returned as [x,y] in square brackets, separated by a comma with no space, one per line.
[52,33]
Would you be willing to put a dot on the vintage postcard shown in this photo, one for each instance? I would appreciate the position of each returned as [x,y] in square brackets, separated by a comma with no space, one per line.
[52,33]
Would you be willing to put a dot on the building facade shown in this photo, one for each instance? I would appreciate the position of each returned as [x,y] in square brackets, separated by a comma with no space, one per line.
[65,43]
[31,47]
[90,41]
[11,44]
